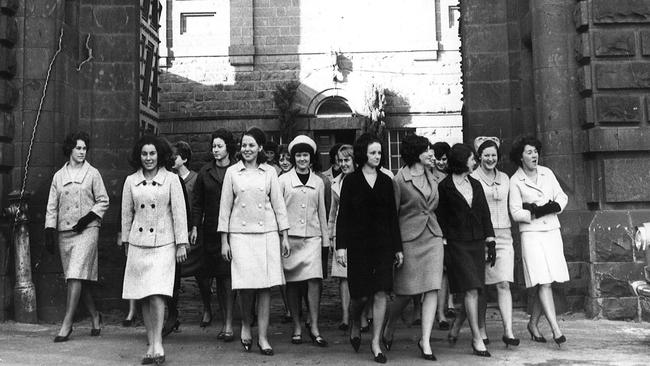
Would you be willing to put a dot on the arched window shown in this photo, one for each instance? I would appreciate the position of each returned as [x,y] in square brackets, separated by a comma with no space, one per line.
[334,106]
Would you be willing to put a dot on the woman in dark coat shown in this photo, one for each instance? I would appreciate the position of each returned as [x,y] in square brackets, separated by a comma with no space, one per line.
[464,217]
[368,235]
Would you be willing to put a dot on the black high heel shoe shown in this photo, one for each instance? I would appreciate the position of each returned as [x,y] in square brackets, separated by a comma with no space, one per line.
[486,341]
[476,352]
[356,343]
[510,341]
[128,322]
[388,344]
[265,351]
[379,357]
[559,340]
[65,338]
[535,338]
[204,323]
[247,344]
[174,328]
[159,359]
[94,332]
[427,357]
[318,340]
[147,360]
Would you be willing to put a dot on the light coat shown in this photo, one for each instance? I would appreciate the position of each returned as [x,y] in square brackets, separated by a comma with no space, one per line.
[153,214]
[251,201]
[524,190]
[334,208]
[415,211]
[71,198]
[496,193]
[305,206]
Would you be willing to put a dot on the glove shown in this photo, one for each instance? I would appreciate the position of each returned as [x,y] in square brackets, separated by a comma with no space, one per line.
[50,239]
[547,209]
[84,221]
[492,253]
[530,207]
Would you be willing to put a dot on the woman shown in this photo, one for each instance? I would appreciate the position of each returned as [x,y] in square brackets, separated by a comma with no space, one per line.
[464,217]
[154,226]
[205,215]
[284,159]
[536,199]
[304,195]
[368,238]
[75,207]
[251,214]
[496,186]
[416,198]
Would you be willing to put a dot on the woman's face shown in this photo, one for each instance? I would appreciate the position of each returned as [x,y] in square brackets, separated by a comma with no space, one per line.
[284,162]
[249,149]
[78,153]
[529,157]
[303,161]
[178,160]
[374,155]
[219,149]
[471,163]
[346,163]
[489,158]
[441,164]
[425,158]
[149,157]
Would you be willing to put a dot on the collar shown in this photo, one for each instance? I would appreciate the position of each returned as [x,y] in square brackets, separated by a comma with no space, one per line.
[464,180]
[79,177]
[239,166]
[158,179]
[295,181]
[489,181]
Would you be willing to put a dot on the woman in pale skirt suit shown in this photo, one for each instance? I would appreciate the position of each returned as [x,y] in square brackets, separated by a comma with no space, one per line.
[252,217]
[304,195]
[496,186]
[75,206]
[154,227]
[416,198]
[536,199]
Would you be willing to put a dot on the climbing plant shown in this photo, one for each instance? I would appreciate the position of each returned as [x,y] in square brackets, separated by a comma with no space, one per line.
[375,101]
[283,97]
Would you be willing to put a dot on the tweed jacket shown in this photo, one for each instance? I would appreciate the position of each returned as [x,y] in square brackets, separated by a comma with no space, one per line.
[415,211]
[522,189]
[460,221]
[334,208]
[71,198]
[251,201]
[153,213]
[206,197]
[496,193]
[305,205]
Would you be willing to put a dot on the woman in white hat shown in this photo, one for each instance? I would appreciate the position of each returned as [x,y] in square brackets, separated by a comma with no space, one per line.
[304,195]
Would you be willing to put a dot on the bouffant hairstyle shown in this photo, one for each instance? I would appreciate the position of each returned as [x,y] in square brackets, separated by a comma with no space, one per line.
[346,151]
[313,159]
[182,149]
[361,148]
[486,144]
[71,139]
[440,149]
[334,152]
[457,158]
[260,139]
[519,145]
[412,147]
[283,150]
[162,148]
[227,137]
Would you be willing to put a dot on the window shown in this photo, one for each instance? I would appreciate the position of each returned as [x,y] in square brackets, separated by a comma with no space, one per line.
[454,15]
[393,156]
[196,23]
[334,106]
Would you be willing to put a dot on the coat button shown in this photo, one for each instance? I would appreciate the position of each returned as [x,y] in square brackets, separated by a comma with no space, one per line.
[243,205]
[153,205]
[243,223]
[303,205]
[153,183]
[144,183]
[302,221]
[151,230]
[261,223]
[142,205]
[259,205]
[140,229]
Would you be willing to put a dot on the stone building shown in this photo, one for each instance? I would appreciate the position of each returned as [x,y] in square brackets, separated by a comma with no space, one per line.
[574,73]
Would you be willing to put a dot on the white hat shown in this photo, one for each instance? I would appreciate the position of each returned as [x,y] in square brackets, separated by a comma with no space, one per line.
[481,139]
[302,139]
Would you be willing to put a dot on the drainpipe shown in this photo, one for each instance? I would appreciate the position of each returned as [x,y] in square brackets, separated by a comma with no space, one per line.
[24,290]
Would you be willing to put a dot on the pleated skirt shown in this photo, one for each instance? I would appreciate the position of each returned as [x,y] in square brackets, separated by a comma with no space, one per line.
[149,271]
[79,253]
[504,267]
[256,260]
[543,255]
[422,267]
[305,261]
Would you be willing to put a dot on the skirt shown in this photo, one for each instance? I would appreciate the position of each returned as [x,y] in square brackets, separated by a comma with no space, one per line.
[370,269]
[422,268]
[504,268]
[195,262]
[465,261]
[149,271]
[256,260]
[305,261]
[79,253]
[338,270]
[543,255]
[214,265]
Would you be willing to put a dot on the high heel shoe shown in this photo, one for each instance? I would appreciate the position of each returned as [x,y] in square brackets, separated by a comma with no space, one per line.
[476,352]
[559,340]
[379,357]
[128,322]
[510,341]
[535,338]
[318,340]
[65,338]
[147,360]
[388,344]
[94,332]
[247,344]
[265,351]
[486,341]
[159,359]
[167,330]
[204,323]
[430,357]
[356,343]
[452,339]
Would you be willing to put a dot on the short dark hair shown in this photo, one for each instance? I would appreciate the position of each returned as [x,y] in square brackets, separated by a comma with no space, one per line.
[457,158]
[361,148]
[228,139]
[411,148]
[313,159]
[271,146]
[334,151]
[184,150]
[486,144]
[71,139]
[518,148]
[260,139]
[441,148]
[283,150]
[163,149]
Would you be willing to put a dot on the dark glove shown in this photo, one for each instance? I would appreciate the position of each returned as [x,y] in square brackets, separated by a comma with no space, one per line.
[50,239]
[84,221]
[492,253]
[530,207]
[549,208]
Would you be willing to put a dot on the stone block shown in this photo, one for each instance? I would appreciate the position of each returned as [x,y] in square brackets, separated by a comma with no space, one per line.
[478,13]
[623,75]
[486,67]
[612,279]
[9,30]
[50,296]
[7,62]
[583,48]
[9,7]
[583,80]
[487,96]
[485,38]
[609,237]
[575,234]
[39,32]
[8,95]
[612,308]
[579,274]
[645,43]
[618,109]
[626,180]
[620,11]
[114,19]
[110,47]
[614,43]
[581,16]
[644,302]
[586,112]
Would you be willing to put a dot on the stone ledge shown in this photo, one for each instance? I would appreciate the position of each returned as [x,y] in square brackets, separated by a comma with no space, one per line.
[614,43]
[620,11]
[618,109]
[623,75]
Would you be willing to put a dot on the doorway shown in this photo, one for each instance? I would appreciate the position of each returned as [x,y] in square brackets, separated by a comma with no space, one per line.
[325,139]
